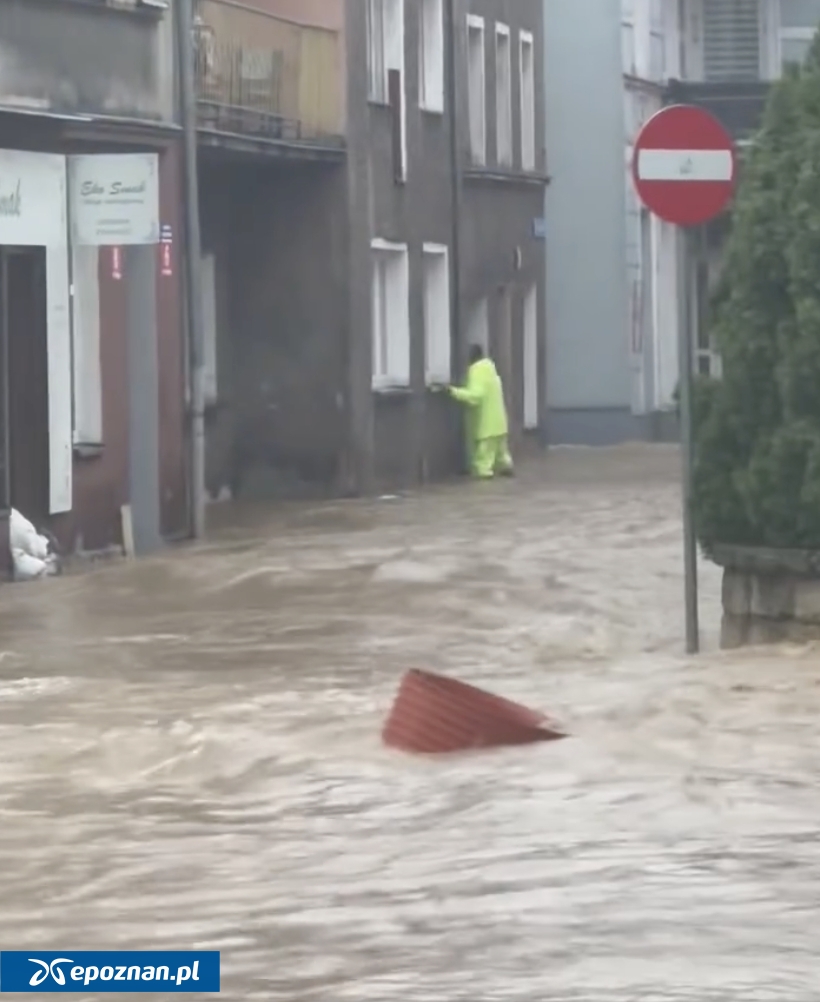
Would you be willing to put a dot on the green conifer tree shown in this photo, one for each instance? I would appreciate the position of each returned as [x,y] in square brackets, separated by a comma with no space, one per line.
[757,434]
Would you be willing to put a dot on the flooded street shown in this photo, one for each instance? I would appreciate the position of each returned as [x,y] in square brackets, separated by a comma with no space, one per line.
[190,756]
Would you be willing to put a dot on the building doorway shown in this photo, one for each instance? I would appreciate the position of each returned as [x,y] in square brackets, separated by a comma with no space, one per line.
[24,382]
[504,353]
[531,410]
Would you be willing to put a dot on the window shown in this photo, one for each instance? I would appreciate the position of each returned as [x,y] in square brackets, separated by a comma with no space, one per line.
[503,96]
[531,407]
[731,40]
[707,358]
[628,53]
[657,42]
[385,55]
[799,20]
[527,69]
[385,45]
[391,317]
[431,55]
[477,89]
[437,346]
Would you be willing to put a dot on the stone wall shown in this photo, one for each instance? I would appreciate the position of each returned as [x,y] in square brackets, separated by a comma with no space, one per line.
[769,595]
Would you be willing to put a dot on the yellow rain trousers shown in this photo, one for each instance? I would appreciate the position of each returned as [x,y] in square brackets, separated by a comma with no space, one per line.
[486,420]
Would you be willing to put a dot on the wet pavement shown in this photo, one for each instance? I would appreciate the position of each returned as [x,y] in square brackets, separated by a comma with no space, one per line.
[190,757]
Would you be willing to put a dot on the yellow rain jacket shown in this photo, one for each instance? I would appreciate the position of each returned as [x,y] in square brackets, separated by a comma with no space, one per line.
[484,395]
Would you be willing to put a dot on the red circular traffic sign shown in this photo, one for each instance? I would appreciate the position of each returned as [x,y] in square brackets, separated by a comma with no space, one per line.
[684,165]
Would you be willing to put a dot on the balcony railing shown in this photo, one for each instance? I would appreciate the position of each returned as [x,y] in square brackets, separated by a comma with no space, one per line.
[260,75]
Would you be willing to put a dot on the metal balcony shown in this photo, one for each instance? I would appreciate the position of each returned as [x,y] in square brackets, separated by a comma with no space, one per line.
[263,77]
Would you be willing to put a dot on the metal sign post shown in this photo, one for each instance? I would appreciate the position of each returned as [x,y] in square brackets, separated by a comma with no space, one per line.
[684,168]
[685,355]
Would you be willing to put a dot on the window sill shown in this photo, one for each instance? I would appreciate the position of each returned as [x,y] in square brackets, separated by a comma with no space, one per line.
[505,175]
[88,450]
[430,109]
[391,390]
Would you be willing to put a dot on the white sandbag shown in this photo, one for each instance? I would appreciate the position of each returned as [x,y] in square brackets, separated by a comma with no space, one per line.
[25,538]
[28,567]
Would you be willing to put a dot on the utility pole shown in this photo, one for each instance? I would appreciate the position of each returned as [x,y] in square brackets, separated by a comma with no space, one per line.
[185,31]
[455,182]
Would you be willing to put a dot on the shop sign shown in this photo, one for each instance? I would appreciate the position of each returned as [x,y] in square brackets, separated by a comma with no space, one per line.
[115,199]
[32,199]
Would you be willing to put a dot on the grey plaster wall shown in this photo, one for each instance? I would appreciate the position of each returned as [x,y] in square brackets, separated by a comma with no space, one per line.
[400,436]
[66,56]
[587,354]
[501,254]
[410,436]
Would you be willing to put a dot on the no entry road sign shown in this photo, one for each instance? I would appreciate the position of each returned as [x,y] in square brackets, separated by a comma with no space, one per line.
[684,165]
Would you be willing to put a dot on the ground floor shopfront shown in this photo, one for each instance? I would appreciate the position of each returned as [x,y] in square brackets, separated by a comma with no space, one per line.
[91,349]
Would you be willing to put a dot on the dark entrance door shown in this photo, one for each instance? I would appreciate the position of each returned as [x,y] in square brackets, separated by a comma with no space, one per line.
[24,384]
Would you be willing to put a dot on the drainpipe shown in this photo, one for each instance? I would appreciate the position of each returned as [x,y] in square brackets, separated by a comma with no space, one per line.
[193,260]
[455,182]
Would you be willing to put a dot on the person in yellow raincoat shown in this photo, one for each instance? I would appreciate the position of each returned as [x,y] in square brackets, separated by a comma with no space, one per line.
[483,395]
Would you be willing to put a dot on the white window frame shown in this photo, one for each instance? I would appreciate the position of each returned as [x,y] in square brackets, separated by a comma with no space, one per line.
[390,321]
[385,46]
[437,337]
[657,63]
[477,92]
[503,95]
[527,85]
[629,53]
[628,46]
[781,35]
[431,55]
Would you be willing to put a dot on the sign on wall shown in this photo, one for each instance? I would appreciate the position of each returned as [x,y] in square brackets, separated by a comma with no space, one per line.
[32,199]
[115,199]
[167,252]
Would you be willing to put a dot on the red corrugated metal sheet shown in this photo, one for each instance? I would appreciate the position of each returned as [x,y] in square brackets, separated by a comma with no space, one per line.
[434,715]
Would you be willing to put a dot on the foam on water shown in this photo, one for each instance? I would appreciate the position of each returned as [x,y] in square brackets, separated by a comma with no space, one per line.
[190,757]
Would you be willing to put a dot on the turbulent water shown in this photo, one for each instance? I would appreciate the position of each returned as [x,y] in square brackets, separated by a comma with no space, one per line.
[190,757]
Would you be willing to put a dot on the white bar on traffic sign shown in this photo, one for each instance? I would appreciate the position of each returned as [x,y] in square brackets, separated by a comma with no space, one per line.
[685,165]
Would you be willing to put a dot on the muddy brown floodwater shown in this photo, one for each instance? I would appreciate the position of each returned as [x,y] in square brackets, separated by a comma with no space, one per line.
[190,757]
